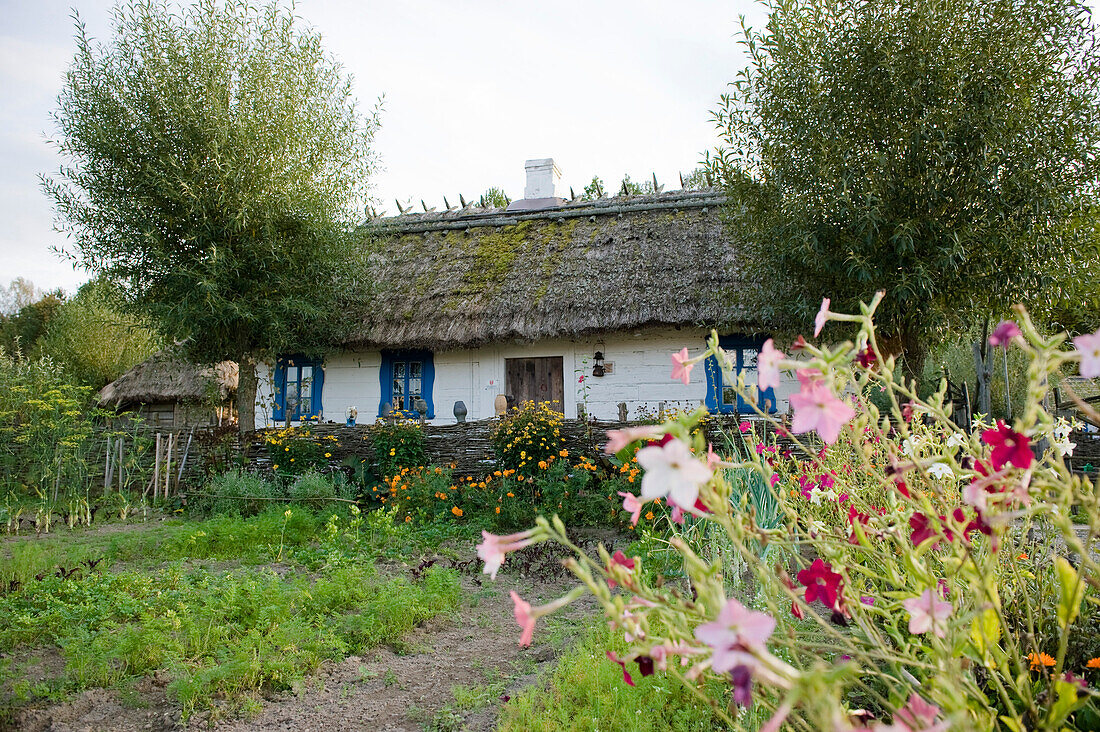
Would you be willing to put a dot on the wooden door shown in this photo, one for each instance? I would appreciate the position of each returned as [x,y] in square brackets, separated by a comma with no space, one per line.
[536,380]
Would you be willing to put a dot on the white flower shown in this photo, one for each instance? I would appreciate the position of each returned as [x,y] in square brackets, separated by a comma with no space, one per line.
[671,470]
[909,446]
[1064,447]
[815,497]
[940,470]
[956,440]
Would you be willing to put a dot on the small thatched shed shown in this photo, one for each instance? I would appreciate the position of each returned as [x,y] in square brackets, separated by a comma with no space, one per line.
[172,393]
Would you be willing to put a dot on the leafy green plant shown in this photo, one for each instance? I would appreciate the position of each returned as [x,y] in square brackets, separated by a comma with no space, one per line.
[396,446]
[527,437]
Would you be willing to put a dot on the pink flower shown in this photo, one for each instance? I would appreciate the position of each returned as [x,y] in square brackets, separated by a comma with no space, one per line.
[822,583]
[671,470]
[917,716]
[619,439]
[626,674]
[735,633]
[682,366]
[822,317]
[1009,447]
[926,613]
[744,426]
[525,618]
[618,559]
[817,408]
[1003,334]
[1088,346]
[632,505]
[923,530]
[767,364]
[494,548]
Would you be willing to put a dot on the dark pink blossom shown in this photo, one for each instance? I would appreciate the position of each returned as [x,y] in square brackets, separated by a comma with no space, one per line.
[626,674]
[1009,447]
[1003,334]
[822,583]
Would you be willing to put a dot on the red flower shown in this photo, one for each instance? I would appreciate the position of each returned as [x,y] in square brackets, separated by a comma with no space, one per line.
[619,558]
[822,583]
[1009,447]
[866,358]
[855,516]
[923,529]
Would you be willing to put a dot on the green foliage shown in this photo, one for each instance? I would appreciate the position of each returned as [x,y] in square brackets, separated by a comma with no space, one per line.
[527,437]
[21,331]
[594,189]
[218,166]
[227,635]
[237,492]
[396,446]
[312,489]
[93,341]
[585,691]
[494,198]
[946,154]
[296,450]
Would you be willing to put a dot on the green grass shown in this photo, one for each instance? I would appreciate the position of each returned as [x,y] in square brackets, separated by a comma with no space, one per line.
[586,692]
[224,634]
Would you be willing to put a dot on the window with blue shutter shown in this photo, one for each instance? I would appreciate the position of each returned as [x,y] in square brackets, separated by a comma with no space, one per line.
[406,375]
[298,384]
[721,396]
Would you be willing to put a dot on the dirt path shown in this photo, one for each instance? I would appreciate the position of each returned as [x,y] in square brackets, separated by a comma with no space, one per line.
[475,649]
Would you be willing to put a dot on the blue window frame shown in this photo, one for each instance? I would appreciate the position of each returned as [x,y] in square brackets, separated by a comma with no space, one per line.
[721,396]
[298,383]
[404,376]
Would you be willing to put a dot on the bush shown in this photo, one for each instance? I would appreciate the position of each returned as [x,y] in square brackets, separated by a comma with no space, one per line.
[238,492]
[312,489]
[296,450]
[528,437]
[396,446]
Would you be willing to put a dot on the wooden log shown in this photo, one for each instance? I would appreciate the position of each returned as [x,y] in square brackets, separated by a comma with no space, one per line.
[156,471]
[168,463]
[107,468]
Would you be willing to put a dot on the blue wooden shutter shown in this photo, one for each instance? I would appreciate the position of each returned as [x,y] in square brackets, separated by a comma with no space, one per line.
[278,408]
[318,382]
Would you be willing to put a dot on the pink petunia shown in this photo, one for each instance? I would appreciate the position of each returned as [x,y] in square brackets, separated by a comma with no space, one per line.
[1003,334]
[493,549]
[619,439]
[671,470]
[682,366]
[816,407]
[822,317]
[1009,447]
[767,364]
[733,634]
[525,618]
[927,613]
[1088,347]
[632,505]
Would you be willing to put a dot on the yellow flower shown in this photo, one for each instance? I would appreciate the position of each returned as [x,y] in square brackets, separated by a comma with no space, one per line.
[275,467]
[456,511]
[328,454]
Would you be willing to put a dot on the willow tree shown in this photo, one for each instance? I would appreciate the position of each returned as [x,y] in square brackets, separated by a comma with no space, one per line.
[945,151]
[215,162]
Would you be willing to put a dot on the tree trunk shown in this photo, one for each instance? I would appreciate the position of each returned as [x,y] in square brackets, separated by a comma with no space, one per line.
[246,395]
[913,354]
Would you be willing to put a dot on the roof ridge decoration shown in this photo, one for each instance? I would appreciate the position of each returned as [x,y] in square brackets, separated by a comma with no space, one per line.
[410,223]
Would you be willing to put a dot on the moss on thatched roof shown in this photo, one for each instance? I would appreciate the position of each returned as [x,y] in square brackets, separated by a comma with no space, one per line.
[168,378]
[468,277]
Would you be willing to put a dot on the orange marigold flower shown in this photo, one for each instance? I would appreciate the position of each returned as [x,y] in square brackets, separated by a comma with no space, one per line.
[1023,555]
[498,509]
[1093,662]
[456,511]
[1039,660]
[564,453]
[648,515]
[511,494]
[407,518]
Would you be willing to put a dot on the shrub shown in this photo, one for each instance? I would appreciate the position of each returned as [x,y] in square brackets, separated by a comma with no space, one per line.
[238,492]
[296,450]
[527,437]
[312,488]
[396,446]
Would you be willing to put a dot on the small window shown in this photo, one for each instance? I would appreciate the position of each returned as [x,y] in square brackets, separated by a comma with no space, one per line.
[406,376]
[298,383]
[721,395]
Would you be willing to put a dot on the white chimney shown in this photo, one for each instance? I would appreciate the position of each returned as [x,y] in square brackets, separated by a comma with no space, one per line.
[543,179]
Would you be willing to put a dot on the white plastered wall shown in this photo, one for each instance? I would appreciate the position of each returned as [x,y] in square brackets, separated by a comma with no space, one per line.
[639,377]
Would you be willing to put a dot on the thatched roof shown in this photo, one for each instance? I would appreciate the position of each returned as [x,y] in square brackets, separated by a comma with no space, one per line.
[473,276]
[167,378]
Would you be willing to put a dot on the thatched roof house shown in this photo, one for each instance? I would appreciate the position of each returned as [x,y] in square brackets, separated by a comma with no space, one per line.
[579,303]
[171,392]
[472,276]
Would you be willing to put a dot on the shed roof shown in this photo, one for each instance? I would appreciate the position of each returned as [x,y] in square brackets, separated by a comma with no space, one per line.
[467,277]
[168,378]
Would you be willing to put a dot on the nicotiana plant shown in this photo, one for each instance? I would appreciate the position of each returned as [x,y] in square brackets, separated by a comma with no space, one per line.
[922,575]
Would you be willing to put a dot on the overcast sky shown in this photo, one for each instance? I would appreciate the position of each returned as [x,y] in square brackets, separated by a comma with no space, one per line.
[472,89]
